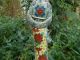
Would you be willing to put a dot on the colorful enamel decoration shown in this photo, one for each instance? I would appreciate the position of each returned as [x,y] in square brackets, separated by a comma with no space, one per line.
[40,16]
[40,45]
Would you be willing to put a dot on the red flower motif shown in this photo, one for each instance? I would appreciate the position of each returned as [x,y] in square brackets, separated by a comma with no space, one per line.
[38,49]
[39,11]
[38,37]
[42,57]
[35,30]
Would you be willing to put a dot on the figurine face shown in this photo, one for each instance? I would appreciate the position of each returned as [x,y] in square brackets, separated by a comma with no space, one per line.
[40,13]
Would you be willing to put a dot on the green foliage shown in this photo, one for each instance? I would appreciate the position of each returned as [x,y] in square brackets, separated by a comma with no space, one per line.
[65,34]
[16,41]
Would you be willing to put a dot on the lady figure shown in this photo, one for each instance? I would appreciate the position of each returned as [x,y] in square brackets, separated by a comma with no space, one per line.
[40,16]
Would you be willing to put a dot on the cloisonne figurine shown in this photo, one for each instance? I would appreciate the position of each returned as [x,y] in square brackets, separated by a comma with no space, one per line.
[39,17]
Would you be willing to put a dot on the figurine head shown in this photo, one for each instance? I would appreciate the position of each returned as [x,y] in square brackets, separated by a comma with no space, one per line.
[41,13]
